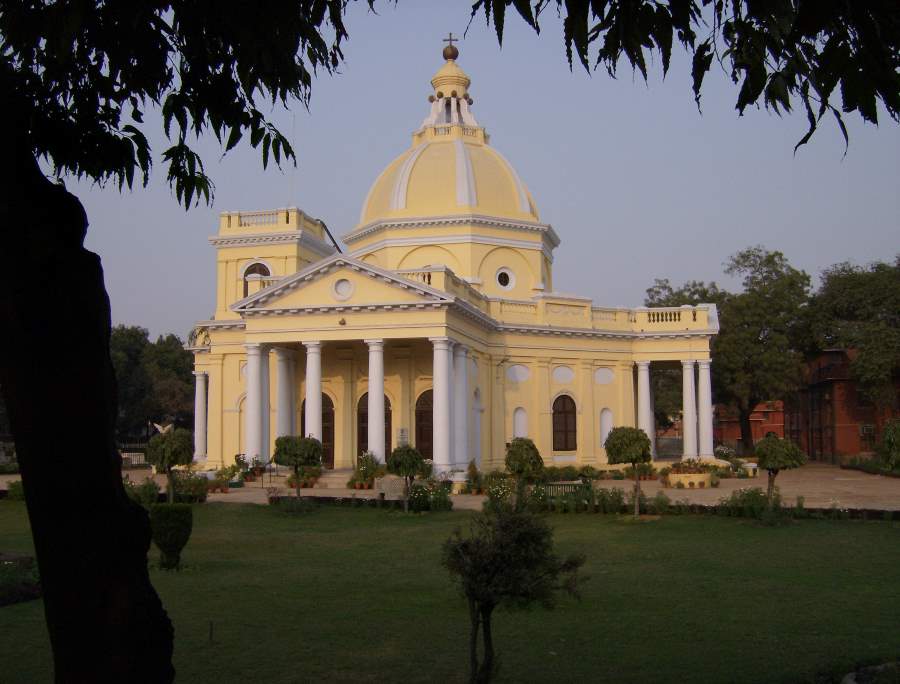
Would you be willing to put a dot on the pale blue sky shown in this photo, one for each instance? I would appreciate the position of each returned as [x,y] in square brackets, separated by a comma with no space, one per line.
[635,181]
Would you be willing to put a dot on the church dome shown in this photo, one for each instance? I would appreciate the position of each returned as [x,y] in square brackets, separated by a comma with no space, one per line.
[450,170]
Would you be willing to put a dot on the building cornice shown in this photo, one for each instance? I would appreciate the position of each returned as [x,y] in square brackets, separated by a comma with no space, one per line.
[544,229]
[299,237]
[455,239]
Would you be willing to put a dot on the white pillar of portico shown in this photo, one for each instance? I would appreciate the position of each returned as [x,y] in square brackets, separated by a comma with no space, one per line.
[688,411]
[376,398]
[253,413]
[646,421]
[706,411]
[284,392]
[441,415]
[266,407]
[461,405]
[313,413]
[199,416]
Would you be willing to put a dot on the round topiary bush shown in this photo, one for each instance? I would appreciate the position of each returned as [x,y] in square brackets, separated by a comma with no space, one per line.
[171,526]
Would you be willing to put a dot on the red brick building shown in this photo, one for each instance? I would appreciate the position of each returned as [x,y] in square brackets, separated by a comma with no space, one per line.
[828,418]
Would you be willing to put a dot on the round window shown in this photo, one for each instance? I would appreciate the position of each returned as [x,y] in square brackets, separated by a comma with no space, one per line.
[506,279]
[343,288]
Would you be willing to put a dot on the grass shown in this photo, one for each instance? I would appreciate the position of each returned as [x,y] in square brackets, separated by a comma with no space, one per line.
[358,594]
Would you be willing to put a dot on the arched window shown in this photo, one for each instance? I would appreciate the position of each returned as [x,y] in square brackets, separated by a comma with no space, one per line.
[564,419]
[424,428]
[606,425]
[362,424]
[520,423]
[254,269]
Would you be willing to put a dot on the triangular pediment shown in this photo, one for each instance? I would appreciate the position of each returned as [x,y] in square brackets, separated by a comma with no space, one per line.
[340,282]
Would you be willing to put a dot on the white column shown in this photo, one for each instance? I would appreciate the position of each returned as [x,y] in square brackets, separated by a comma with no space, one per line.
[688,411]
[376,398]
[646,421]
[199,416]
[313,389]
[253,403]
[284,397]
[266,406]
[441,415]
[706,411]
[461,405]
[451,446]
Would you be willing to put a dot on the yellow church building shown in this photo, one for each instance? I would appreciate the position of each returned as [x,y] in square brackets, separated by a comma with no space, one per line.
[438,325]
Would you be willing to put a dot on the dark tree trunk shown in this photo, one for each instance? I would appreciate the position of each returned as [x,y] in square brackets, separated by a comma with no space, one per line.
[770,490]
[474,623]
[637,492]
[105,621]
[170,485]
[487,664]
[746,431]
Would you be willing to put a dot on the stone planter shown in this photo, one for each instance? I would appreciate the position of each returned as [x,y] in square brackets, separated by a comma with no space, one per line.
[689,480]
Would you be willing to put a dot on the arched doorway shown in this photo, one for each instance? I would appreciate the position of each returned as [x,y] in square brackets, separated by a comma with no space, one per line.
[424,424]
[362,425]
[327,429]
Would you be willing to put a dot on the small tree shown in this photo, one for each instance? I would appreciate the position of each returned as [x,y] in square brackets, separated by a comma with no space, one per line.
[524,461]
[774,455]
[629,445]
[298,453]
[407,462]
[889,449]
[169,449]
[507,559]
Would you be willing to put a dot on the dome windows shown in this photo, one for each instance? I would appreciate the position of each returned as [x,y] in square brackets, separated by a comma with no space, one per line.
[506,279]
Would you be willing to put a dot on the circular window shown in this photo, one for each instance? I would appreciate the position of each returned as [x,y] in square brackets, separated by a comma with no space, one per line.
[506,279]
[342,289]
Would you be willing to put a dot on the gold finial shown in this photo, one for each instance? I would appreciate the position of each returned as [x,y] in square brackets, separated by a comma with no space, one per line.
[450,52]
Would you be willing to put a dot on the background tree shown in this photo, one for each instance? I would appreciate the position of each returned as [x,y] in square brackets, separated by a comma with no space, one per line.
[524,461]
[507,559]
[298,453]
[757,353]
[126,350]
[858,309]
[407,462]
[774,455]
[781,53]
[76,79]
[629,445]
[170,368]
[167,450]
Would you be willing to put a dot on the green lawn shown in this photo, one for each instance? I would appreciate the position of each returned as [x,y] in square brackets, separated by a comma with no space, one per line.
[347,594]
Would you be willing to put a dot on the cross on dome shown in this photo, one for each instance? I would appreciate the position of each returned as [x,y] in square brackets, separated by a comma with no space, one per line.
[450,52]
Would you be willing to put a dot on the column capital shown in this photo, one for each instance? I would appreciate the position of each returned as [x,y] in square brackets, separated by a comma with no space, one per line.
[642,364]
[313,346]
[705,363]
[688,363]
[199,373]
[461,350]
[375,344]
[253,348]
[440,342]
[284,352]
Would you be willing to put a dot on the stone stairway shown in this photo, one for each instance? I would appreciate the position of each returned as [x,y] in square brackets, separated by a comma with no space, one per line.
[334,479]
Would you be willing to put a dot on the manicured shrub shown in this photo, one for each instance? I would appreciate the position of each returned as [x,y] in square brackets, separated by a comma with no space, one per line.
[407,462]
[774,455]
[499,490]
[15,491]
[19,581]
[629,445]
[537,500]
[474,478]
[568,473]
[170,449]
[366,466]
[889,448]
[524,462]
[171,526]
[298,453]
[750,502]
[660,504]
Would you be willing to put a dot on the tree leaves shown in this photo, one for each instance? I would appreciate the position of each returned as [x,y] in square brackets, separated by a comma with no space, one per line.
[82,72]
[776,51]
